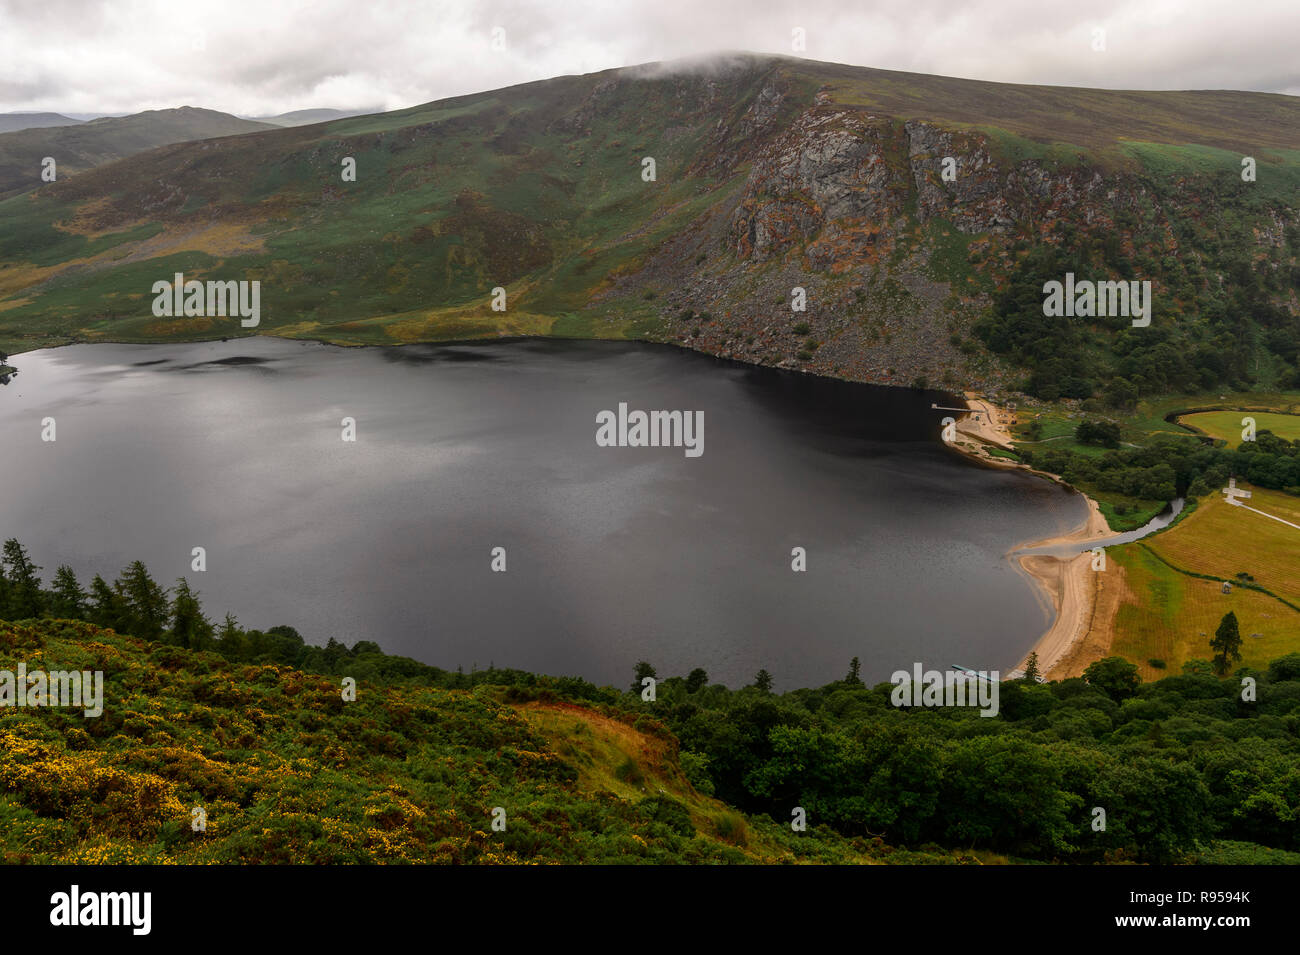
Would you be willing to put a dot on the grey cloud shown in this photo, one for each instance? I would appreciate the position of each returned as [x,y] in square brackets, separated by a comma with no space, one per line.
[263,56]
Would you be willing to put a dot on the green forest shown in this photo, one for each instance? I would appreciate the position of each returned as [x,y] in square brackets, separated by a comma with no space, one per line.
[1215,327]
[1171,466]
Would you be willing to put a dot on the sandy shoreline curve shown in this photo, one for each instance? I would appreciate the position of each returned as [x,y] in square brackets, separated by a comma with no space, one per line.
[1071,584]
[1068,584]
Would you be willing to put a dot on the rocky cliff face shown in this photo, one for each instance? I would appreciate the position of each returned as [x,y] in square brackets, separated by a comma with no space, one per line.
[839,178]
[895,259]
[825,185]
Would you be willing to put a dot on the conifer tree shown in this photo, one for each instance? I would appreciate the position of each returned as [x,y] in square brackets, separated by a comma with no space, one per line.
[1031,668]
[69,601]
[107,609]
[190,628]
[146,603]
[1226,643]
[641,671]
[24,598]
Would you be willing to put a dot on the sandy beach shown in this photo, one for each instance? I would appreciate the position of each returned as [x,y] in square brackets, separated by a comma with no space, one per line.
[987,424]
[1077,593]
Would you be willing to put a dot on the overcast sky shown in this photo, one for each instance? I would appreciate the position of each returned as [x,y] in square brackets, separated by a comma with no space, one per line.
[270,56]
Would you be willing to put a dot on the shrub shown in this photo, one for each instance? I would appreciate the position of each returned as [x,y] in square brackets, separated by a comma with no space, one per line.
[730,826]
[1105,434]
[667,812]
[629,772]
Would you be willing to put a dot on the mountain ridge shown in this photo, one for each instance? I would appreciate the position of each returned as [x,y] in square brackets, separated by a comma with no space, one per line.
[772,173]
[78,146]
[309,117]
[14,122]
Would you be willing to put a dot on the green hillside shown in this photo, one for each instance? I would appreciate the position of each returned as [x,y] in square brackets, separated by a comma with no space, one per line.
[287,772]
[76,147]
[771,173]
[296,752]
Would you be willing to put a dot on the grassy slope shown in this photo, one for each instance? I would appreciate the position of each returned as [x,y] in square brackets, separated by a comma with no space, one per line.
[288,772]
[76,148]
[1094,119]
[409,252]
[535,188]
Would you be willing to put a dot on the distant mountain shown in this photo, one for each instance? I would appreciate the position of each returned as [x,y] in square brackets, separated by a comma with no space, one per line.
[306,117]
[12,122]
[915,219]
[78,147]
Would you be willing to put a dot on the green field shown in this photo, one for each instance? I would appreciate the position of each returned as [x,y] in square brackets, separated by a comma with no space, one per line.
[1227,425]
[1172,614]
[1225,541]
[1055,430]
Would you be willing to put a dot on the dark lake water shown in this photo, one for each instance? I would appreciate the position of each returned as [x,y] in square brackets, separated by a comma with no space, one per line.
[613,555]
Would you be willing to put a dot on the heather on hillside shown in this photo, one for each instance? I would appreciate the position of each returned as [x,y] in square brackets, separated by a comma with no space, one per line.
[262,733]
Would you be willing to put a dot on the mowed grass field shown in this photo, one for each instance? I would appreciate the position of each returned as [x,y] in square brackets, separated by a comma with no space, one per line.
[1227,426]
[1224,541]
[1172,615]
